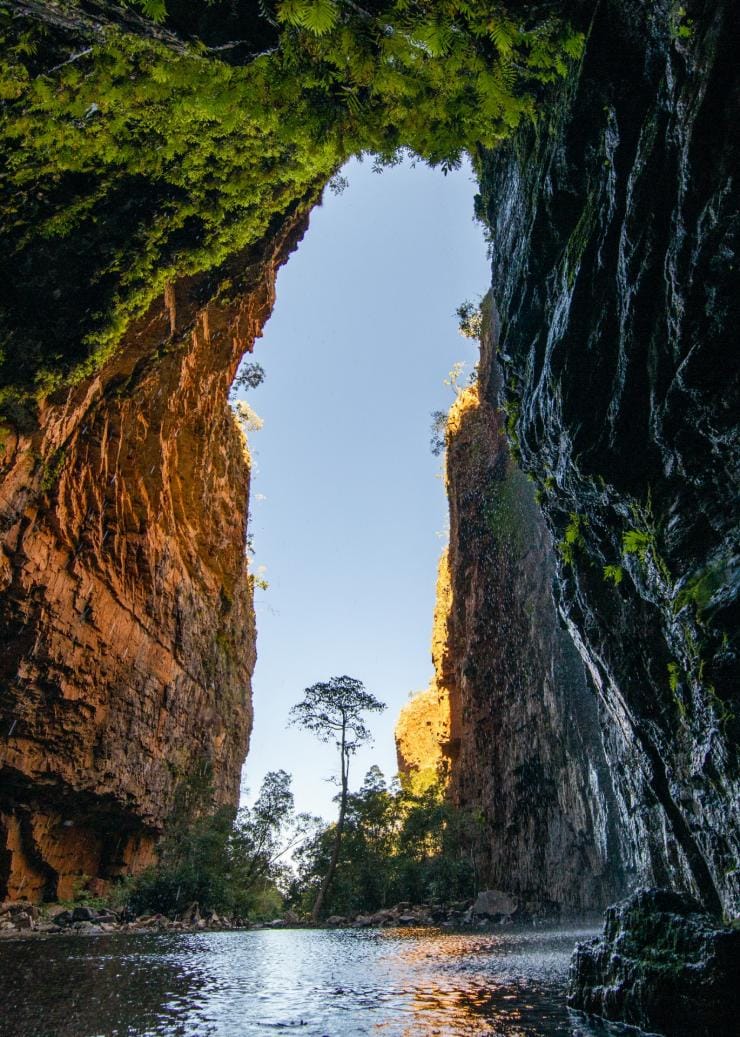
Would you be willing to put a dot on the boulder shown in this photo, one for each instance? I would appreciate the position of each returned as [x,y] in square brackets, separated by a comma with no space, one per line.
[54,911]
[492,903]
[152,922]
[62,918]
[336,920]
[22,920]
[407,920]
[661,964]
[84,914]
[15,907]
[383,918]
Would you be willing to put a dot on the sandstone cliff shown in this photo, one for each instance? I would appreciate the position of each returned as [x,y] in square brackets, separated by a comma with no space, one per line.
[126,619]
[516,724]
[426,741]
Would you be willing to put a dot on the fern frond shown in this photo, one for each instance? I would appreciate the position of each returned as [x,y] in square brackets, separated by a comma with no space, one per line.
[265,10]
[436,37]
[506,73]
[502,35]
[290,12]
[155,10]
[316,16]
[573,45]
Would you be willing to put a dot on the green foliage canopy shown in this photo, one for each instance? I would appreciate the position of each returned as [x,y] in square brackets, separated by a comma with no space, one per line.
[334,711]
[399,844]
[127,162]
[225,862]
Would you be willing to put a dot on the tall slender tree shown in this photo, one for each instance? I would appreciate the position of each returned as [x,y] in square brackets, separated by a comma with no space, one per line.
[334,710]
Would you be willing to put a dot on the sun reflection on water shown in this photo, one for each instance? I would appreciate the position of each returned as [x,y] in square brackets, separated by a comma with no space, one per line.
[319,983]
[470,985]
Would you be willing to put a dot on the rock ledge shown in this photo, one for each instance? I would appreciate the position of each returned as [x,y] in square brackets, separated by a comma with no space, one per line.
[661,964]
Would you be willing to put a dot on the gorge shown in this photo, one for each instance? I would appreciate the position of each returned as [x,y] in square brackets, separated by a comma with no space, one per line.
[586,636]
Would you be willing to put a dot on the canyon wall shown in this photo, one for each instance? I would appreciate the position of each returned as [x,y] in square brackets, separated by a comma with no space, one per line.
[516,723]
[126,619]
[614,230]
[614,234]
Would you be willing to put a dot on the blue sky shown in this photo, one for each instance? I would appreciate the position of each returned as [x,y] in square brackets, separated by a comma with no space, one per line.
[348,511]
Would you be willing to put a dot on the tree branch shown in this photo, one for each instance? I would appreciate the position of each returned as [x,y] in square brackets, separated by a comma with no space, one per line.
[75,57]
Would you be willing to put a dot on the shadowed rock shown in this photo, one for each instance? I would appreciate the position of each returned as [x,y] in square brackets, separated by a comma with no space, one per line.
[662,963]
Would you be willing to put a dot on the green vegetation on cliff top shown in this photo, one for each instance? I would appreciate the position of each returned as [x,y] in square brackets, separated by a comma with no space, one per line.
[129,161]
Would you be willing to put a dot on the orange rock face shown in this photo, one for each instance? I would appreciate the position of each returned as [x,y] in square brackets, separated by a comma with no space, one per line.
[426,733]
[423,734]
[126,618]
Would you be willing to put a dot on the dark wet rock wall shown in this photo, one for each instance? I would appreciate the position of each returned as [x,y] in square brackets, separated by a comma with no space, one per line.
[614,229]
[661,963]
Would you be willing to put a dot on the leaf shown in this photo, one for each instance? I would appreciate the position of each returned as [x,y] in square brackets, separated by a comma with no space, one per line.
[502,34]
[291,12]
[614,574]
[316,16]
[155,10]
[436,37]
[573,45]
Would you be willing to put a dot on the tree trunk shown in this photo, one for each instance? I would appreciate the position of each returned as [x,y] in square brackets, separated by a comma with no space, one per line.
[337,839]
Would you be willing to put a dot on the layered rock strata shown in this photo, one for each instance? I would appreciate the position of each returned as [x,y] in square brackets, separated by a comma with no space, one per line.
[126,618]
[520,742]
[615,233]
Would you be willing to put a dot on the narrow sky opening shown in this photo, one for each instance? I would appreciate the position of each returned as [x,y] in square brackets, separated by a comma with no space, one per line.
[348,514]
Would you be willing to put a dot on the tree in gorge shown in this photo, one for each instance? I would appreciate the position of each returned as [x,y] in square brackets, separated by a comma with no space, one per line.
[334,711]
[224,862]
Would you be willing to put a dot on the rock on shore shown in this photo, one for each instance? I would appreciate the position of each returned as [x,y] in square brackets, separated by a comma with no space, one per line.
[20,918]
[492,907]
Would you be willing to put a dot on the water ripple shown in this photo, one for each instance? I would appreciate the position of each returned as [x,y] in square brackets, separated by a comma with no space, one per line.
[410,983]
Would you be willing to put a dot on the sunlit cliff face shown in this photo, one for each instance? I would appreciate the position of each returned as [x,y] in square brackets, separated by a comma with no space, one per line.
[127,604]
[425,732]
